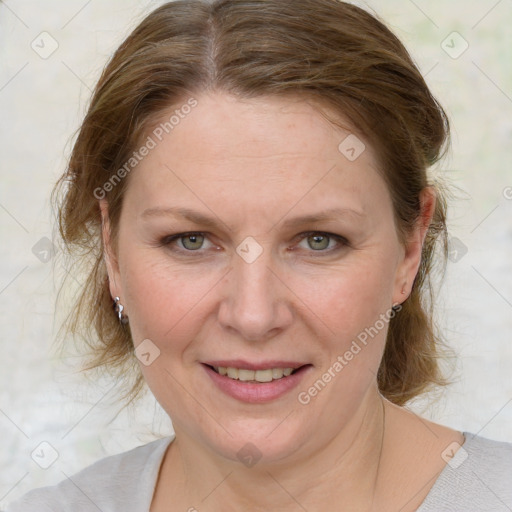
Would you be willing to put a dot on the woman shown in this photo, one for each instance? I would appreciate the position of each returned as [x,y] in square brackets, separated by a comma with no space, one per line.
[251,178]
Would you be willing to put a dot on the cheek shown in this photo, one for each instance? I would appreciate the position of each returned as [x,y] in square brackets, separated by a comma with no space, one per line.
[164,302]
[353,307]
[348,298]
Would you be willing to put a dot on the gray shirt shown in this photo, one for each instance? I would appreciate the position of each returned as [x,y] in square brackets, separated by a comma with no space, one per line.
[477,478]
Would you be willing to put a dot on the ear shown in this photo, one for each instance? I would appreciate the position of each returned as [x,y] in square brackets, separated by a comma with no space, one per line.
[411,259]
[111,261]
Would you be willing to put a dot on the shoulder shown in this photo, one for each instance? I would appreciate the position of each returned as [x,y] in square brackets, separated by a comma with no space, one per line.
[477,477]
[120,482]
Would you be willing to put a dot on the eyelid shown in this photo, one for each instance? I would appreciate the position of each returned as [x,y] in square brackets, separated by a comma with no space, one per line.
[167,240]
[341,240]
[305,234]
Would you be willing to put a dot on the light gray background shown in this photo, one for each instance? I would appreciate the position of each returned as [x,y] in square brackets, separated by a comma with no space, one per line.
[42,101]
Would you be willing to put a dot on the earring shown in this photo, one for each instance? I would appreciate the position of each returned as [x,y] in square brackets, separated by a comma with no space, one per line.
[118,308]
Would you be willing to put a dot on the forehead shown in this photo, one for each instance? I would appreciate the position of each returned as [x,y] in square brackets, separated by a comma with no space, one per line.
[232,128]
[259,152]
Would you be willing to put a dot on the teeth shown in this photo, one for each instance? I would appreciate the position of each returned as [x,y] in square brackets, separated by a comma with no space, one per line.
[251,375]
[263,375]
[232,373]
[277,373]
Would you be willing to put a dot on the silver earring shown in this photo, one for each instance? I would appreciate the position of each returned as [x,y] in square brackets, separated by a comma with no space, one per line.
[118,308]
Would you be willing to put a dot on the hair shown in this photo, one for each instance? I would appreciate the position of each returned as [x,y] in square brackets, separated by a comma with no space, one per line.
[326,51]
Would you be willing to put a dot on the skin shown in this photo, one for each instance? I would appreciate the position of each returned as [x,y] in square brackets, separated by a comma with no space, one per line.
[251,166]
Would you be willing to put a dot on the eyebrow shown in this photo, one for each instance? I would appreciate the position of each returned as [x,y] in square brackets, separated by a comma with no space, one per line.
[199,218]
[323,216]
[185,213]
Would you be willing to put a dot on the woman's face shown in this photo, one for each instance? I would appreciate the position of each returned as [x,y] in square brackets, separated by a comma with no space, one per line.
[292,260]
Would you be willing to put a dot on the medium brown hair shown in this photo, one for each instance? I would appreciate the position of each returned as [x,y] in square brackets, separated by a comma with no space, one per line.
[329,52]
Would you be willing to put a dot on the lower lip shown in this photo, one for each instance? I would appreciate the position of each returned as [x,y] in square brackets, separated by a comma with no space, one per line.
[256,392]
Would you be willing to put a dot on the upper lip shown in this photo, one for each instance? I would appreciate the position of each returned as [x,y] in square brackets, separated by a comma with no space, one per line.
[246,365]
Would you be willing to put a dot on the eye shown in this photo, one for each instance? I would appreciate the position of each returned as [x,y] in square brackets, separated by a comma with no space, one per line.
[318,242]
[192,242]
[323,242]
[186,241]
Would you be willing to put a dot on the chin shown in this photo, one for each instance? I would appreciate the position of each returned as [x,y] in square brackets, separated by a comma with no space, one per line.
[257,441]
[258,450]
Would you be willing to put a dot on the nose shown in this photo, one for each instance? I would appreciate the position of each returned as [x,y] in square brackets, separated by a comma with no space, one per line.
[257,304]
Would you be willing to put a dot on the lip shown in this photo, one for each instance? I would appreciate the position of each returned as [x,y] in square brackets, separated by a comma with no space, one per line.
[263,365]
[260,392]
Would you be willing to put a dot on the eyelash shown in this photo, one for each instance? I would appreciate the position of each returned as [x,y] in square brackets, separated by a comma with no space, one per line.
[342,241]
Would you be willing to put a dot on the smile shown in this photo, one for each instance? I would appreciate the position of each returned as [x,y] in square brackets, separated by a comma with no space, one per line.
[262,383]
[242,374]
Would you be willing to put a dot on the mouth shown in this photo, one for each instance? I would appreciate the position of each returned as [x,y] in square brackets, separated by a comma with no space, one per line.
[256,383]
[255,376]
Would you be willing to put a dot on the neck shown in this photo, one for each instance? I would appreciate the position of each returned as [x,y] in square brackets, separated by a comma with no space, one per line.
[343,469]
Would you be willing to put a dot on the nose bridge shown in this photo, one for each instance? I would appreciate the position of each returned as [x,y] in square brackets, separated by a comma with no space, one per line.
[255,305]
[253,280]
